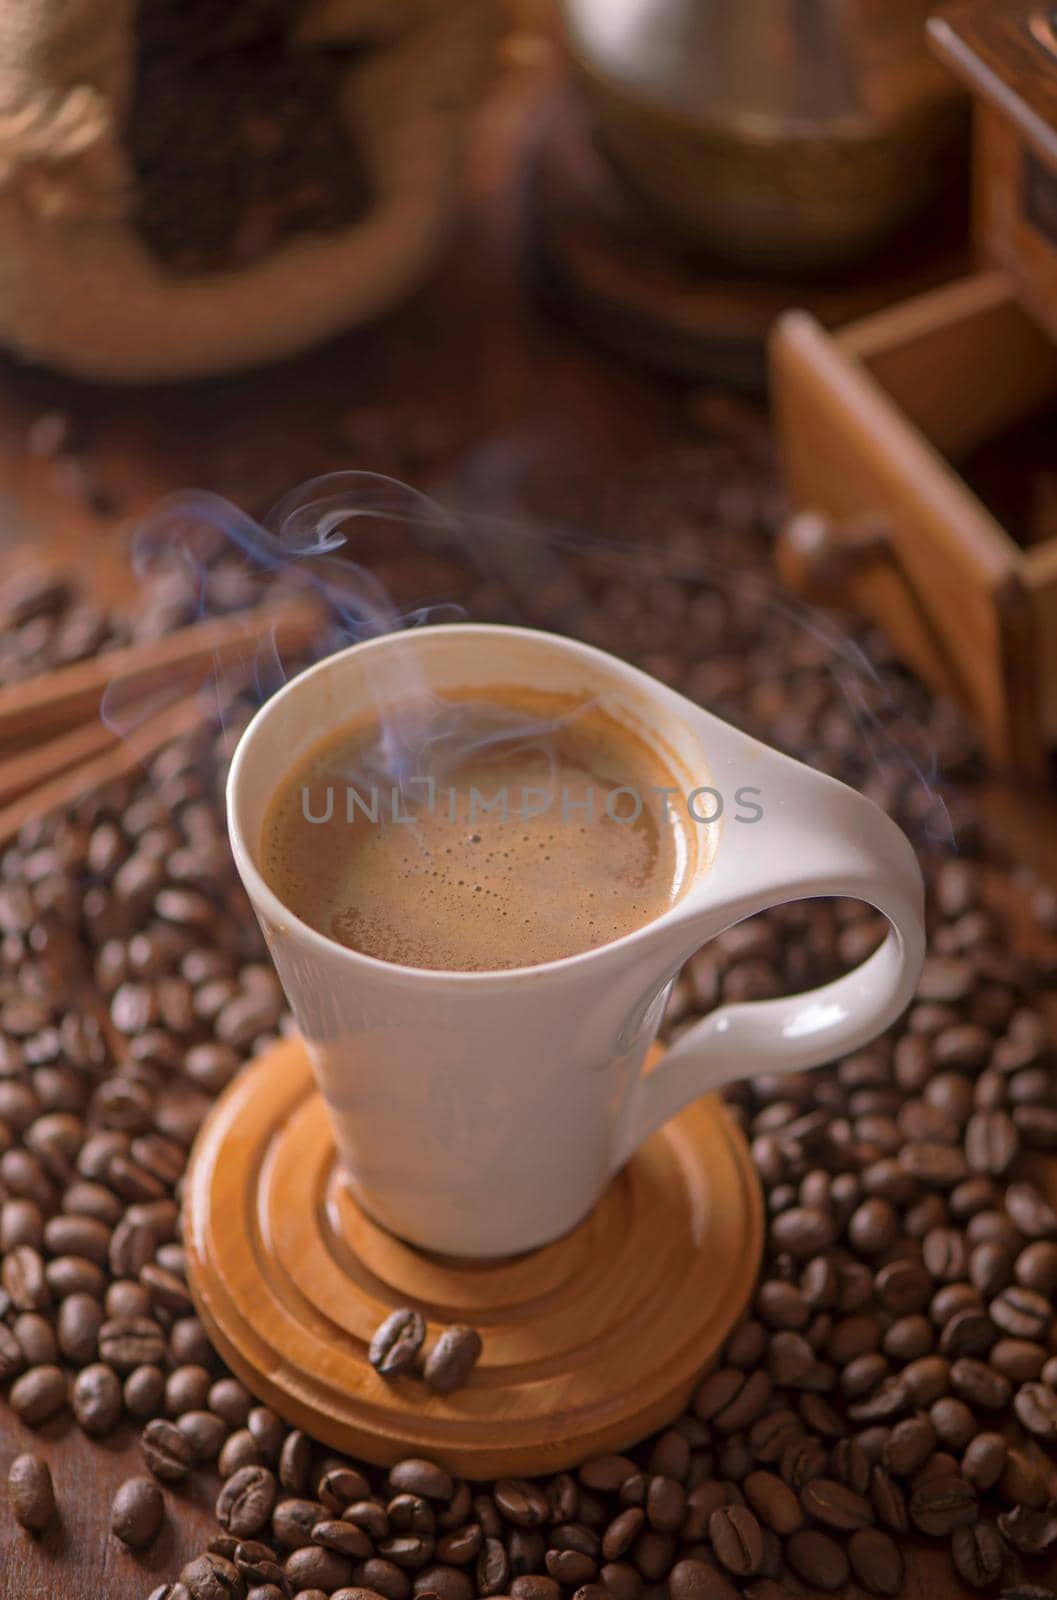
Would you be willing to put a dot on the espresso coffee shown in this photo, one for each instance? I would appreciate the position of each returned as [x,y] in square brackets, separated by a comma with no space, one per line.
[472,834]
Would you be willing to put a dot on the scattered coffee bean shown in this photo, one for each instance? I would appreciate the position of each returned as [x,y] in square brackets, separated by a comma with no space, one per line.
[31,1493]
[818,1559]
[941,1504]
[38,1394]
[876,1561]
[978,1554]
[136,1513]
[96,1399]
[737,1539]
[166,1451]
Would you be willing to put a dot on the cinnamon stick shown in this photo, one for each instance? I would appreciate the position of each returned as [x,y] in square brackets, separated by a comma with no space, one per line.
[121,760]
[58,700]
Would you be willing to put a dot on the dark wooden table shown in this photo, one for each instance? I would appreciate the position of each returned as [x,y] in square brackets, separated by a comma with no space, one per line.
[518,394]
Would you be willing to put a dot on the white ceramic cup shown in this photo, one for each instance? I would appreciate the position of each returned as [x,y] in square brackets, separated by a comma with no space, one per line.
[483,1113]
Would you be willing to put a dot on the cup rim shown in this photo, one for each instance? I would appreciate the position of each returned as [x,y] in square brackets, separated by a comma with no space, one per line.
[277,912]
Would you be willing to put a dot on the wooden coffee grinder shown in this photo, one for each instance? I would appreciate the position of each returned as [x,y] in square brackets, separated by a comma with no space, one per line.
[880,422]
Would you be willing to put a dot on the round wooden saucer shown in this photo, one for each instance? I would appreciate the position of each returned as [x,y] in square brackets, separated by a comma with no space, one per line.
[590,1343]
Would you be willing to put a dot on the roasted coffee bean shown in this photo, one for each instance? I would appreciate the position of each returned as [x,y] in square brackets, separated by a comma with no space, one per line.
[909,1446]
[446,1583]
[888,1400]
[605,1474]
[621,1581]
[968,1332]
[622,1532]
[804,1231]
[31,1493]
[166,1451]
[979,1385]
[38,1394]
[802,1460]
[96,1399]
[231,1401]
[978,1554]
[939,1166]
[204,1432]
[984,1458]
[535,1586]
[212,1577]
[818,1559]
[1031,1532]
[410,1513]
[1022,1313]
[493,1567]
[1036,1267]
[737,1539]
[851,1465]
[772,1433]
[268,1431]
[696,1580]
[570,1568]
[453,1358]
[942,1504]
[373,1519]
[312,1567]
[341,1485]
[991,1142]
[397,1342]
[665,1504]
[344,1537]
[888,1501]
[746,1406]
[1036,1407]
[782,1305]
[12,1357]
[136,1513]
[773,1501]
[908,1338]
[424,1478]
[22,1276]
[876,1561]
[77,1328]
[835,1505]
[1031,1211]
[295,1460]
[521,1502]
[670,1455]
[654,1555]
[135,1342]
[927,1379]
[292,1522]
[952,1421]
[144,1392]
[1020,1360]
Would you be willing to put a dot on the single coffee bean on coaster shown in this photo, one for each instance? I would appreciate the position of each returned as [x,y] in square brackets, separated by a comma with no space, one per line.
[397,1342]
[453,1358]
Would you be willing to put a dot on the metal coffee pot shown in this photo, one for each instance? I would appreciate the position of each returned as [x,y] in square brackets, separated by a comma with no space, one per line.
[781,134]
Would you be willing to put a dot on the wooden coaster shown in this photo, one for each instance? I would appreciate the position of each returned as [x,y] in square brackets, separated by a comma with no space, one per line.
[590,1343]
[601,254]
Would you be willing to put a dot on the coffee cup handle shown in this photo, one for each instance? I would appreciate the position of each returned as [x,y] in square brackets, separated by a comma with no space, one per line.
[827,841]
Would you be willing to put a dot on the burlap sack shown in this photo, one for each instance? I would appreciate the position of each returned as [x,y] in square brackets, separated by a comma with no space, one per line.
[78,288]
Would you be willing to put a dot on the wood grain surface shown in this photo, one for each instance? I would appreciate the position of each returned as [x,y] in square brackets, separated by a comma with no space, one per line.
[470,350]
